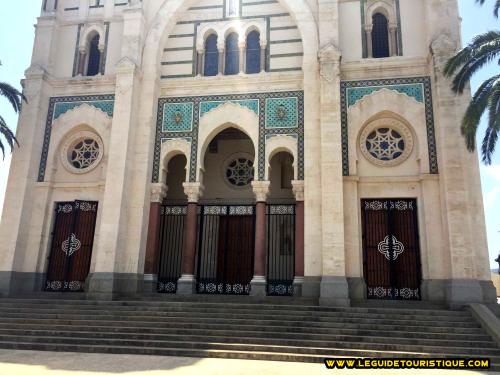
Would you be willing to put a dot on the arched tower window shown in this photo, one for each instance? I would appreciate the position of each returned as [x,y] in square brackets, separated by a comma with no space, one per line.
[232,63]
[253,53]
[211,67]
[94,61]
[380,36]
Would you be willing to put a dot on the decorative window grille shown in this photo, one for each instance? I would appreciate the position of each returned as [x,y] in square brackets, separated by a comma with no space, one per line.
[253,53]
[380,36]
[211,56]
[232,64]
[385,144]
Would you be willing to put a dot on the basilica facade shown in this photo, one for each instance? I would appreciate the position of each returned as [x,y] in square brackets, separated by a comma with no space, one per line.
[281,148]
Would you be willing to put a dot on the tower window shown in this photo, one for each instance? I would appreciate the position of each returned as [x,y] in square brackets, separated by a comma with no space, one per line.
[94,57]
[232,9]
[211,67]
[380,36]
[232,63]
[253,53]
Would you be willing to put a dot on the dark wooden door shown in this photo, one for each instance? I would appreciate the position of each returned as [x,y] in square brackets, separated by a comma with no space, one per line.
[72,243]
[225,249]
[391,251]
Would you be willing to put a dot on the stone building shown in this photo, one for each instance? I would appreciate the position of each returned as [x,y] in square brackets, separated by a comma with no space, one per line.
[279,147]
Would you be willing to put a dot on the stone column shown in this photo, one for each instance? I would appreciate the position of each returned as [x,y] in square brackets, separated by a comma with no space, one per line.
[221,59]
[187,282]
[263,48]
[242,47]
[200,62]
[101,58]
[82,57]
[258,283]
[298,190]
[158,193]
[334,287]
[369,41]
[393,40]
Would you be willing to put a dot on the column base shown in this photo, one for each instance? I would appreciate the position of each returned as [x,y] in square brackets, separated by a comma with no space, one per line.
[311,286]
[150,284]
[107,285]
[14,283]
[334,291]
[258,286]
[357,288]
[464,291]
[186,285]
[298,281]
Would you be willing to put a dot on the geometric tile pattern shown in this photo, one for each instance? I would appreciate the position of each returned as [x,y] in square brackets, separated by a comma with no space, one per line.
[62,104]
[106,106]
[281,113]
[252,105]
[247,100]
[415,87]
[416,91]
[177,117]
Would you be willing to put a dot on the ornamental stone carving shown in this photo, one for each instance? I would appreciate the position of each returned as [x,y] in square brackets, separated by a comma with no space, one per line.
[298,190]
[158,192]
[193,190]
[261,190]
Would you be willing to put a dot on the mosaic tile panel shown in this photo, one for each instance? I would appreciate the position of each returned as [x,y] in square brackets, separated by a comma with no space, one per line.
[252,105]
[106,106]
[415,91]
[178,117]
[281,113]
[363,88]
[255,101]
[59,106]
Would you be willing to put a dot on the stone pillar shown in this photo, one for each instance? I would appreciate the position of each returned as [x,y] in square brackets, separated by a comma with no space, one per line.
[334,287]
[200,62]
[158,193]
[263,48]
[221,59]
[187,282]
[298,190]
[258,283]
[393,40]
[101,58]
[369,41]
[81,61]
[242,47]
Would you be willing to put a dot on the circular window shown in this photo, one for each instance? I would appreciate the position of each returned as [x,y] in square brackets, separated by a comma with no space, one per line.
[239,171]
[82,152]
[386,142]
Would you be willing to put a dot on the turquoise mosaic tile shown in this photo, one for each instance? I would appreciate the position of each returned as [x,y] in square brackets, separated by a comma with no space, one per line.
[251,104]
[281,113]
[106,106]
[355,94]
[178,117]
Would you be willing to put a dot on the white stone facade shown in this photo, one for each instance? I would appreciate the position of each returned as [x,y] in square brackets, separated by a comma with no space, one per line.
[316,52]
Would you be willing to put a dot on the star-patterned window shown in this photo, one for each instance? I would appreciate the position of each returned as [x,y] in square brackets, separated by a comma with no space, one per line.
[84,154]
[240,172]
[385,144]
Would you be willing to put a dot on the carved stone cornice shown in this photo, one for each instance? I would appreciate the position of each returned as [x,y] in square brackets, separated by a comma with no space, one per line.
[193,190]
[298,190]
[261,190]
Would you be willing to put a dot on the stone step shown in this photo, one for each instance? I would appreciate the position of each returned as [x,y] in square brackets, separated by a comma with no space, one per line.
[202,312]
[261,338]
[252,347]
[196,323]
[233,306]
[257,331]
[235,318]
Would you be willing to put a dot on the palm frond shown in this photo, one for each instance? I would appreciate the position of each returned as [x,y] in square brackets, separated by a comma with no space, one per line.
[493,125]
[482,50]
[8,135]
[475,110]
[13,95]
[496,7]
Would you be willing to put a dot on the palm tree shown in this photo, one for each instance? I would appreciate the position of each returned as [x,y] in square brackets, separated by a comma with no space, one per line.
[483,49]
[15,98]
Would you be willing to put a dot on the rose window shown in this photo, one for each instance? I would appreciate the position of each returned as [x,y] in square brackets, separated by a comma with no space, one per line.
[239,172]
[385,144]
[84,153]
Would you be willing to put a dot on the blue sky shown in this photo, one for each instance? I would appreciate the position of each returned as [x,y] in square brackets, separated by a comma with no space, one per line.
[16,28]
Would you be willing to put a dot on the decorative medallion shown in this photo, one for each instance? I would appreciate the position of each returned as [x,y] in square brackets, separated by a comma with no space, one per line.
[239,171]
[397,247]
[71,245]
[82,152]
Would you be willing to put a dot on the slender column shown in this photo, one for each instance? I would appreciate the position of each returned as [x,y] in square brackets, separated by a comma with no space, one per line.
[369,41]
[298,190]
[201,56]
[101,59]
[263,47]
[187,282]
[242,47]
[221,60]
[81,61]
[158,193]
[258,283]
[393,40]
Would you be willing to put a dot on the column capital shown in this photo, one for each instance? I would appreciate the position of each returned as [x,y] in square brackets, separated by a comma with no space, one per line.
[193,190]
[298,190]
[261,190]
[158,192]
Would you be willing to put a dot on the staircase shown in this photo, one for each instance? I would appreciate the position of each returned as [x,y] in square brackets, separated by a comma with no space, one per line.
[242,331]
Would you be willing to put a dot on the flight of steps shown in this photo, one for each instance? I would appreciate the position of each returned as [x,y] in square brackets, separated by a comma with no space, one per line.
[243,331]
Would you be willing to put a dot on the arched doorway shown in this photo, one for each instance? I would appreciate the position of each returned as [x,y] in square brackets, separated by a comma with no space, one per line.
[225,250]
